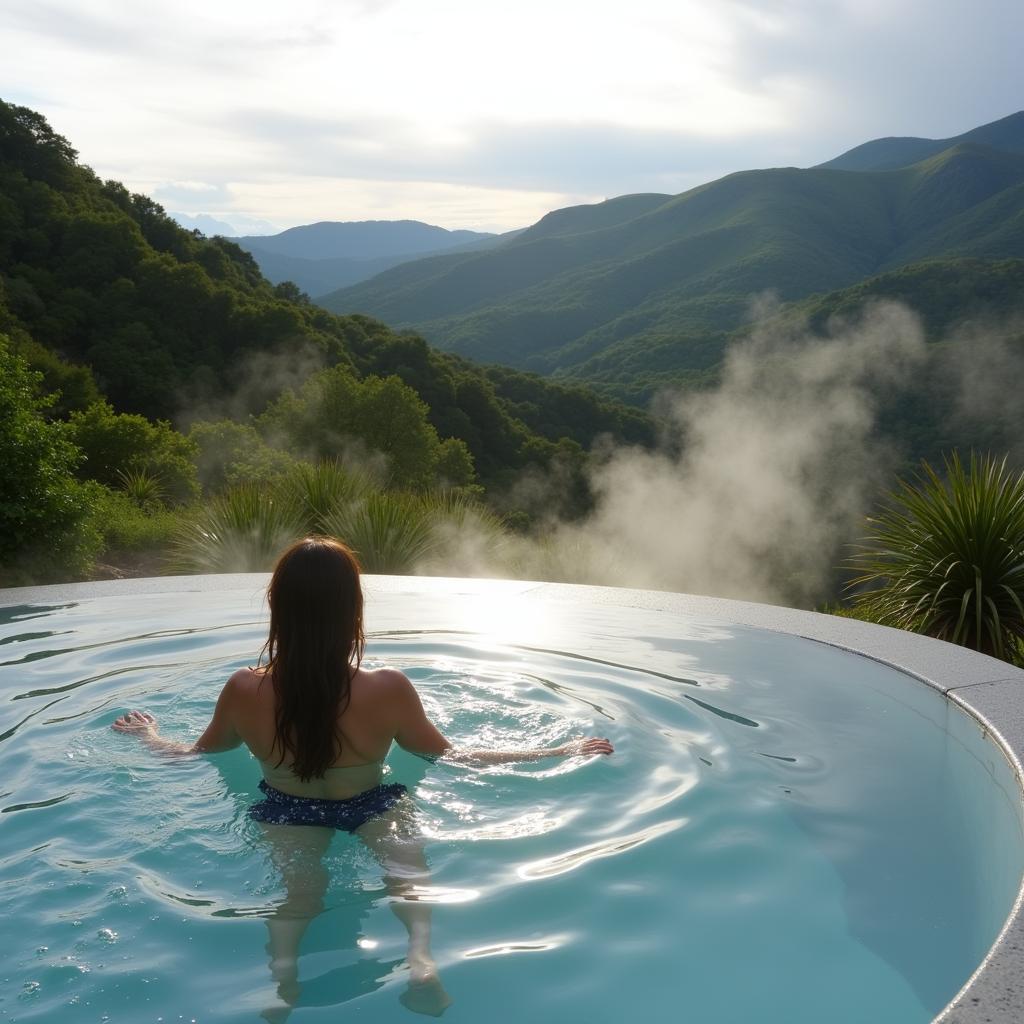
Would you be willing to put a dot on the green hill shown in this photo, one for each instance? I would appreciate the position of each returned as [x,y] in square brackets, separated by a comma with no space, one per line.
[102,292]
[651,287]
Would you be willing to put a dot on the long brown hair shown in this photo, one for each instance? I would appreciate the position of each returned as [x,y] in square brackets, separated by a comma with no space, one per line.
[314,648]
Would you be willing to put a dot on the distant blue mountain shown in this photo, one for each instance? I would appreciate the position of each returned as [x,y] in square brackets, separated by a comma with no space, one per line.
[328,255]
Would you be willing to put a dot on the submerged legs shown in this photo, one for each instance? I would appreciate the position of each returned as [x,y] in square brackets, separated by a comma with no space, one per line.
[392,839]
[297,852]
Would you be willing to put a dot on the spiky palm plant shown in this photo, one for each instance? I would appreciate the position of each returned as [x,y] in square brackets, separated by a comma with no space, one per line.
[321,487]
[243,530]
[145,489]
[946,557]
[390,532]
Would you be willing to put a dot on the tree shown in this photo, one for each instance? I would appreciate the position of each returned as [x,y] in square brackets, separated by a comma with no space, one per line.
[45,529]
[334,414]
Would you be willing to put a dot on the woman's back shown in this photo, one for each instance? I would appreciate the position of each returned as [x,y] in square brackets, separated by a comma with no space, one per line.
[366,729]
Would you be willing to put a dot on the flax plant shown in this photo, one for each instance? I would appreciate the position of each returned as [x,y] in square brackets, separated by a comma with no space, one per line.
[145,489]
[242,530]
[946,557]
[390,532]
[320,488]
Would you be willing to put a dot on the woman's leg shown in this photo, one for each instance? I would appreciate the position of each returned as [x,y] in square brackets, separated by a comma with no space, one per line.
[297,852]
[393,839]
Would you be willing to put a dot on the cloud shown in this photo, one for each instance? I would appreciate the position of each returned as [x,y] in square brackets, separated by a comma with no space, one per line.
[596,157]
[191,193]
[853,70]
[577,100]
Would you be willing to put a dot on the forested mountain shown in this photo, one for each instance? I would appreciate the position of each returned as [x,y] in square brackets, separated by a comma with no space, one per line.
[107,296]
[328,255]
[643,289]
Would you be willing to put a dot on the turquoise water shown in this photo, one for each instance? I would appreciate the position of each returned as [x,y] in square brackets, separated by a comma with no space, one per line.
[786,833]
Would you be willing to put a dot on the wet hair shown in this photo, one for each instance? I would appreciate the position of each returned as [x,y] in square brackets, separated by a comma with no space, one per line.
[314,648]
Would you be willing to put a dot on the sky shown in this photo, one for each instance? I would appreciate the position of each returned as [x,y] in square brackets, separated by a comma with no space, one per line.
[484,115]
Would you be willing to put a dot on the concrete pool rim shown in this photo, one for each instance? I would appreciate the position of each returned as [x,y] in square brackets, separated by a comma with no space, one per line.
[987,690]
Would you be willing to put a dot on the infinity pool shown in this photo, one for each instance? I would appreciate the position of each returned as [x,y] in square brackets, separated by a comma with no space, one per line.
[786,833]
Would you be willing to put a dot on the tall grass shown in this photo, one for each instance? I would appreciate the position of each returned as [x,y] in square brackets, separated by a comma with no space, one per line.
[946,557]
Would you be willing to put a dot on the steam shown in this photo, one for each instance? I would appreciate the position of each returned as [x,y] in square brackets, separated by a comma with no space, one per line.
[757,483]
[258,378]
[983,367]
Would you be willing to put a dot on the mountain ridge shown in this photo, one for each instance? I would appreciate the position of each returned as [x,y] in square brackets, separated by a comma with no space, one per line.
[676,274]
[893,152]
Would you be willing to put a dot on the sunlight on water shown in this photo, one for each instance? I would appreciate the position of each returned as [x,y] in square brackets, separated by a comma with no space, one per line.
[776,811]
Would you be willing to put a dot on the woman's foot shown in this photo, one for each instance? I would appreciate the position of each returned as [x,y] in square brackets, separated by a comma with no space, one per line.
[425,994]
[285,971]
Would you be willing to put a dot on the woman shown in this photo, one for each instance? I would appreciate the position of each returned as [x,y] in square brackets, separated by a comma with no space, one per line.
[320,726]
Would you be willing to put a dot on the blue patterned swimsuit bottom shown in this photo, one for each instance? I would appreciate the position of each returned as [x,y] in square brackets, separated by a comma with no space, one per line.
[284,809]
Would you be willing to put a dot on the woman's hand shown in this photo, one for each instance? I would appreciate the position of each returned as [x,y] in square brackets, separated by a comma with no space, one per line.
[141,723]
[587,747]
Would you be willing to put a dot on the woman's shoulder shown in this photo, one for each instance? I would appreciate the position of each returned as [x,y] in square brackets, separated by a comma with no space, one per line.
[390,679]
[247,681]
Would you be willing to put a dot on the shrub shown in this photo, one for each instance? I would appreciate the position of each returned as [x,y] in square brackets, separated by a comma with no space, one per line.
[127,527]
[144,489]
[229,453]
[946,558]
[116,443]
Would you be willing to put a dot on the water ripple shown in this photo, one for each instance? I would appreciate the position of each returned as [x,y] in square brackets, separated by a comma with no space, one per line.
[572,859]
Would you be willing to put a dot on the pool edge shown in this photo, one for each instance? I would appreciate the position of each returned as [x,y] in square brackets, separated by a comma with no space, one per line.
[990,691]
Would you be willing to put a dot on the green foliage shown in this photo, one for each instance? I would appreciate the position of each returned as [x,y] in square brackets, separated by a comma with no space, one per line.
[73,386]
[130,528]
[947,557]
[454,466]
[46,531]
[391,531]
[115,444]
[119,297]
[943,292]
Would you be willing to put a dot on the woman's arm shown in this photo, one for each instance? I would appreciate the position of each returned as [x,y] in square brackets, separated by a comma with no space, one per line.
[219,735]
[416,733]
[480,758]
